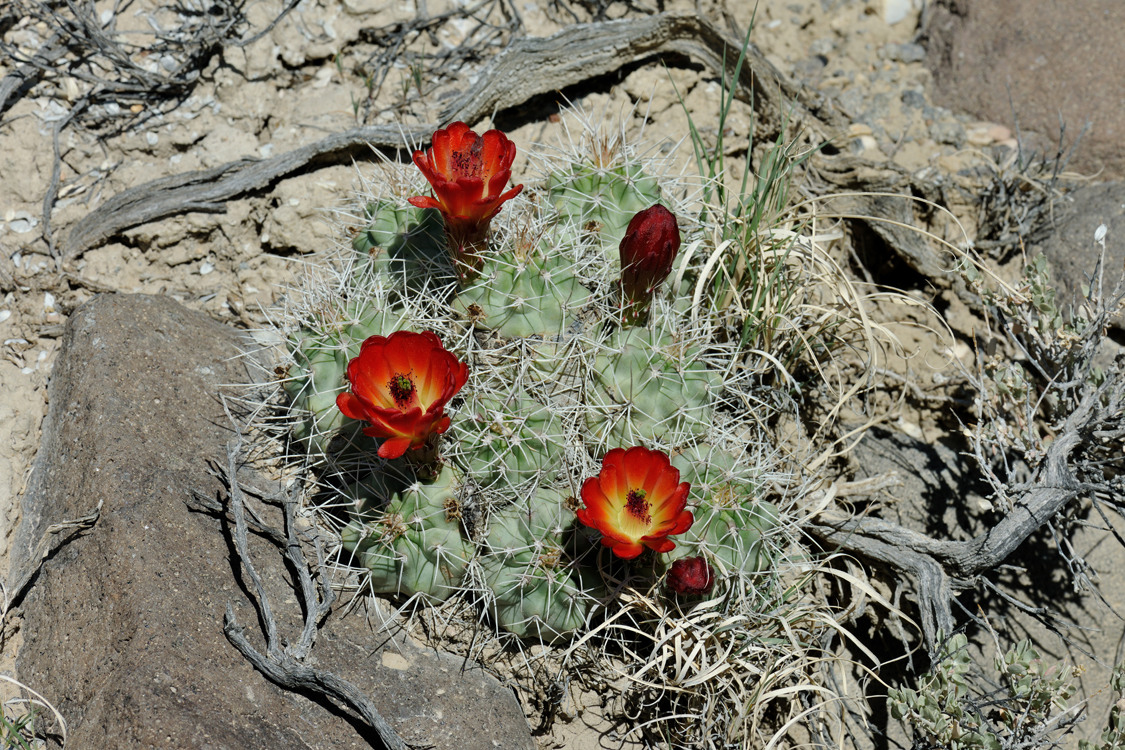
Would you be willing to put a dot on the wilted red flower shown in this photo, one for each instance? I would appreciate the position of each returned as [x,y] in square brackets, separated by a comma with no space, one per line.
[468,173]
[648,248]
[401,384]
[690,576]
[636,501]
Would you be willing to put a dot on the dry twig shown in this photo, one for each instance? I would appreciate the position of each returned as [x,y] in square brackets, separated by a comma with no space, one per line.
[284,666]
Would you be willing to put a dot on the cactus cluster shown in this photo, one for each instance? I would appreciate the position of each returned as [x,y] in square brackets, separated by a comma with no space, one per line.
[556,380]
[414,544]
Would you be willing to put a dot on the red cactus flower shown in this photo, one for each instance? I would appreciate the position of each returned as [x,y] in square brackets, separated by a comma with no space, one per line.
[648,248]
[401,384]
[691,576]
[636,501]
[468,173]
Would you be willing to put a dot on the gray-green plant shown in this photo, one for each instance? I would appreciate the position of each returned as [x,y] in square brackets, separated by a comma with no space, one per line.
[555,382]
[1114,735]
[944,711]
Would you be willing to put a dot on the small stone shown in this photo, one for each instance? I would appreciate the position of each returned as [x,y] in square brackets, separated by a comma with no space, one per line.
[823,46]
[21,223]
[913,99]
[907,53]
[895,11]
[952,133]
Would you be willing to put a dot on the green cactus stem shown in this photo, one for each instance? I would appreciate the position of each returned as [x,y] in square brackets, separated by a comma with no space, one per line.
[415,546]
[602,200]
[535,565]
[649,387]
[532,297]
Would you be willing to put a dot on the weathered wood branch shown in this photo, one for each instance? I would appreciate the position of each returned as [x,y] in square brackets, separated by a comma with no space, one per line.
[584,51]
[939,566]
[882,196]
[284,665]
[529,67]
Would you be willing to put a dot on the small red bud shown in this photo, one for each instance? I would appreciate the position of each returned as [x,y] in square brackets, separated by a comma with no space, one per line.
[647,251]
[691,576]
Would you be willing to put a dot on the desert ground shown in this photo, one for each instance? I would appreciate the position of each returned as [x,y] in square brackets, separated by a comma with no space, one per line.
[100,99]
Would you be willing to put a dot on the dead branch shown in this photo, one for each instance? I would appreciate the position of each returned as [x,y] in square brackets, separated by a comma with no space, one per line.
[284,666]
[1087,418]
[530,66]
[860,190]
[28,73]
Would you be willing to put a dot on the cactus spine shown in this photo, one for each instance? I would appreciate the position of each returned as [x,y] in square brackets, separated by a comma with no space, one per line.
[555,381]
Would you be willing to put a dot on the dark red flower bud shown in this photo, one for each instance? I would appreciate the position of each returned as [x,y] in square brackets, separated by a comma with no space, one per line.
[691,576]
[647,252]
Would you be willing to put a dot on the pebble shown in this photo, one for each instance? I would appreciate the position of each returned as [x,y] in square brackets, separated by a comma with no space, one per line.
[914,99]
[952,133]
[907,53]
[895,11]
[21,223]
[4,315]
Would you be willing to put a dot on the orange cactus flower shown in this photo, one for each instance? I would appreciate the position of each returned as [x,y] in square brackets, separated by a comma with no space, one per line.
[401,384]
[636,501]
[468,174]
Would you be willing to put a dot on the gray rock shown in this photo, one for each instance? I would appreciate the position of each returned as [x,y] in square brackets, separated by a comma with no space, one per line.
[1070,247]
[822,47]
[123,625]
[951,132]
[914,99]
[1036,61]
[810,67]
[906,53]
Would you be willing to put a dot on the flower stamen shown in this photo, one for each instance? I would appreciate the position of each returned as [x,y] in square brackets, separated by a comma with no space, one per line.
[638,507]
[401,388]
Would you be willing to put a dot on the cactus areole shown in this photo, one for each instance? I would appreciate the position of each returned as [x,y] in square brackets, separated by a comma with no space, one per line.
[650,245]
[468,174]
[636,501]
[400,384]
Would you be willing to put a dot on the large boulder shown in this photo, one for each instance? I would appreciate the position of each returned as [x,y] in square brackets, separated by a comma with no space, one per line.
[123,626]
[1036,61]
[1070,246]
